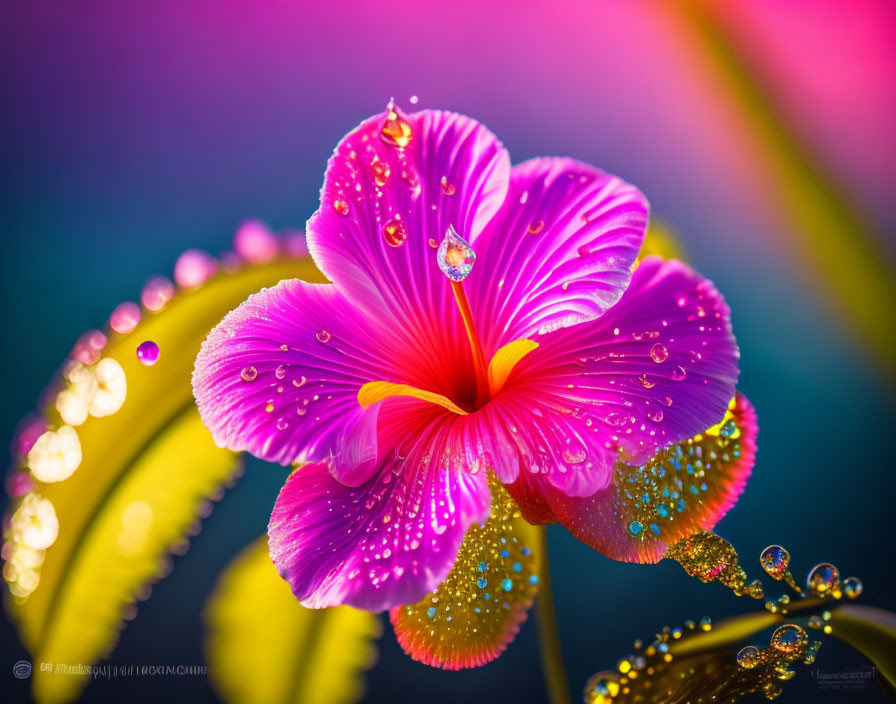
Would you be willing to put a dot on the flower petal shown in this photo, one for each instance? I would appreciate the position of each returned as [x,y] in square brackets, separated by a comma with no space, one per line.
[385,208]
[685,489]
[558,253]
[657,368]
[477,611]
[390,540]
[279,377]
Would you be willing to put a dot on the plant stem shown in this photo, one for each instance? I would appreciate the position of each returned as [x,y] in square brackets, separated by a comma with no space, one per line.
[548,636]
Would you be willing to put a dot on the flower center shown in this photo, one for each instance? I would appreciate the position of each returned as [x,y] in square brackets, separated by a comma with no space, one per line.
[456,257]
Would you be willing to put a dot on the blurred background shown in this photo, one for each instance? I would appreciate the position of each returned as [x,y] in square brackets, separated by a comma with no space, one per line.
[762,133]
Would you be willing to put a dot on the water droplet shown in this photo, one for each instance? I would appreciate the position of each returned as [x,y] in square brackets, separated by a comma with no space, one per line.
[635,527]
[455,256]
[748,657]
[576,457]
[659,353]
[824,579]
[396,131]
[301,410]
[299,382]
[381,171]
[395,233]
[535,227]
[645,382]
[282,424]
[679,374]
[507,585]
[280,371]
[448,188]
[655,414]
[852,587]
[249,373]
[269,408]
[340,206]
[602,688]
[774,560]
[148,352]
[789,638]
[322,336]
[433,243]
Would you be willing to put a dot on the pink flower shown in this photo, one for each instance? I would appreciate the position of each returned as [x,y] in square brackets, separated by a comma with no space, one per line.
[417,373]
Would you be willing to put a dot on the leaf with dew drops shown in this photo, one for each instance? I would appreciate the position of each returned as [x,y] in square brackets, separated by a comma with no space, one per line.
[147,472]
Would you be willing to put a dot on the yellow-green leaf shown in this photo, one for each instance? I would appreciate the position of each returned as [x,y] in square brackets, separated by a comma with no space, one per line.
[263,647]
[146,470]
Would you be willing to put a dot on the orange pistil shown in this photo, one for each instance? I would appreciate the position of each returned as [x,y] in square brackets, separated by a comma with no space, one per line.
[480,369]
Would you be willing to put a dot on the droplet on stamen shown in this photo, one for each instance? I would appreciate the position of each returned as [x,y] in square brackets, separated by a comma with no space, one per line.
[455,256]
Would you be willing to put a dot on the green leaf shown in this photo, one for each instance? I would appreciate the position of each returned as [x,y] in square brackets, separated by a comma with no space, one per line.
[264,647]
[146,471]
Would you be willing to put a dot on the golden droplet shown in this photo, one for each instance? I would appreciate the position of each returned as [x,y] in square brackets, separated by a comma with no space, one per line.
[340,206]
[535,227]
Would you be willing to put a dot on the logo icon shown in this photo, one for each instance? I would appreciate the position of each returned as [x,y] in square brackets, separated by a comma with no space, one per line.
[22,669]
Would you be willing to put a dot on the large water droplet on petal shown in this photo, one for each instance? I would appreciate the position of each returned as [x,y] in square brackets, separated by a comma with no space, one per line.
[396,130]
[455,256]
[659,353]
[249,373]
[322,336]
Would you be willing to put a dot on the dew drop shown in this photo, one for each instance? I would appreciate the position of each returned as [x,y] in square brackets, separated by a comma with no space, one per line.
[852,587]
[645,382]
[679,374]
[381,171]
[395,233]
[789,638]
[655,414]
[269,408]
[282,424]
[433,243]
[280,371]
[396,131]
[535,227]
[301,410]
[774,560]
[824,579]
[322,336]
[299,382]
[148,352]
[340,206]
[748,657]
[576,457]
[455,256]
[448,188]
[248,373]
[659,353]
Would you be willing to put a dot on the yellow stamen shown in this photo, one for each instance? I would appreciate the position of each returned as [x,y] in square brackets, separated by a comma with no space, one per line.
[505,360]
[479,368]
[374,391]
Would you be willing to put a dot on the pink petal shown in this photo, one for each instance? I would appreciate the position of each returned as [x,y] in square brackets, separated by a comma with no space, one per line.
[383,208]
[389,541]
[558,253]
[686,489]
[279,377]
[657,368]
